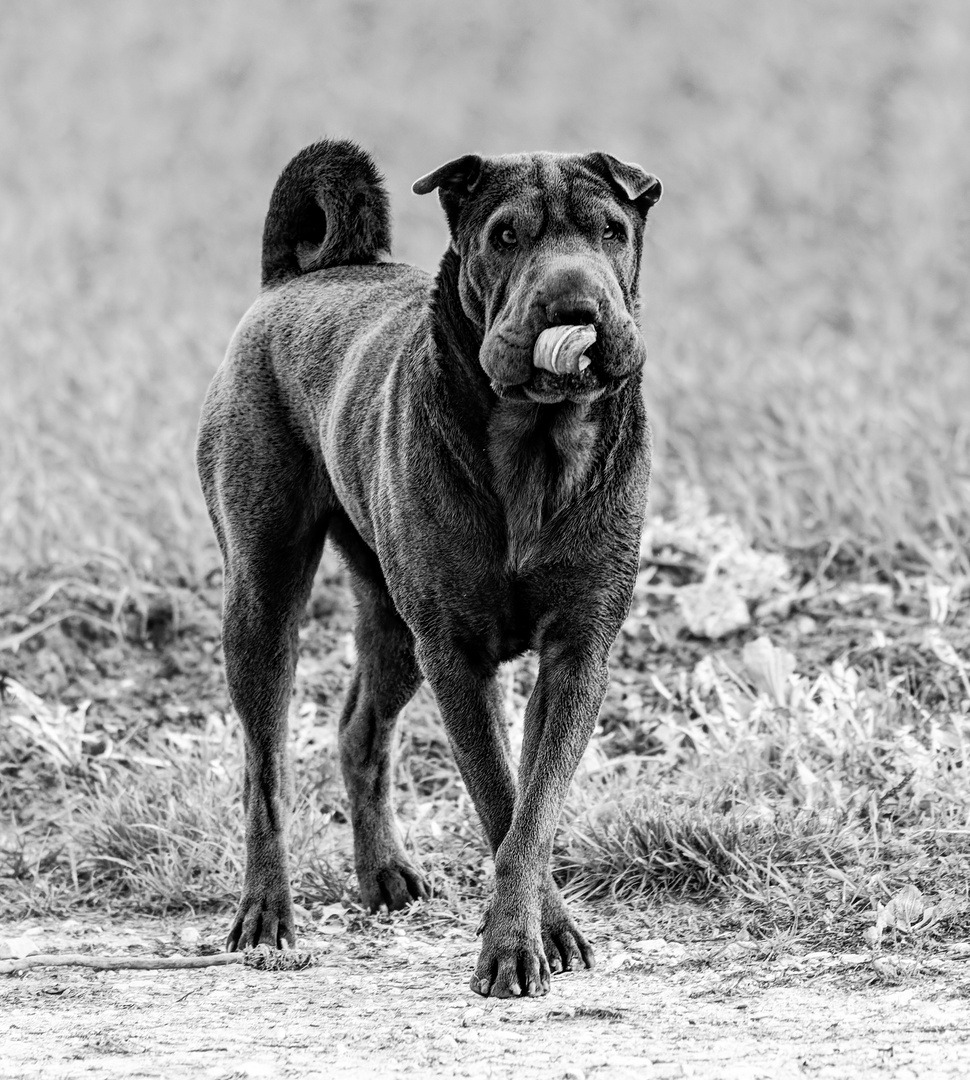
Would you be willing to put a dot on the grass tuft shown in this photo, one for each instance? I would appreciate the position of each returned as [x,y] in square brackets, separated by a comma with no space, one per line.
[643,847]
[780,792]
[171,839]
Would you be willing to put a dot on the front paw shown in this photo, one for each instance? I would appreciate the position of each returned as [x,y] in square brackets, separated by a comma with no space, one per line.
[264,917]
[512,962]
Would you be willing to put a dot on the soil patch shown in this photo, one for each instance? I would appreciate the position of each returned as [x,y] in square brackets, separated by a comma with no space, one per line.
[389,998]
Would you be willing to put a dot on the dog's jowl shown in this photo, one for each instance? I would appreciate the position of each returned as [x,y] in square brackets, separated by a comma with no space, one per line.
[487,499]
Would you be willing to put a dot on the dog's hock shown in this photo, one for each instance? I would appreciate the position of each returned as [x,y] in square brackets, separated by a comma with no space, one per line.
[561,349]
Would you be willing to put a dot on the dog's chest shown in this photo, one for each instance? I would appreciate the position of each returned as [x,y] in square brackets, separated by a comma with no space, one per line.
[542,461]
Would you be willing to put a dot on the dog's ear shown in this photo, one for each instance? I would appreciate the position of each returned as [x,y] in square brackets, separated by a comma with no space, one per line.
[459,177]
[456,182]
[641,188]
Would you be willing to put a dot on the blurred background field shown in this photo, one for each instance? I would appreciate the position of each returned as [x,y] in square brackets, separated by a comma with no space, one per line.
[805,294]
[805,282]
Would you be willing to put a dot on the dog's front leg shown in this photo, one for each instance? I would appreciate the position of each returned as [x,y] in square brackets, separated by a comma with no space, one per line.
[527,925]
[470,702]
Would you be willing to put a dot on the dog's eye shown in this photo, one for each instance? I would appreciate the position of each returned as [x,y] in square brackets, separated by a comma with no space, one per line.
[506,237]
[613,231]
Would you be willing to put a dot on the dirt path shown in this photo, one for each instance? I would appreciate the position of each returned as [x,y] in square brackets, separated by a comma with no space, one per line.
[390,1000]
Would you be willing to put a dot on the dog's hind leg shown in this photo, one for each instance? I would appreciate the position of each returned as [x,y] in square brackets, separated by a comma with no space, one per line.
[269,502]
[263,605]
[385,679]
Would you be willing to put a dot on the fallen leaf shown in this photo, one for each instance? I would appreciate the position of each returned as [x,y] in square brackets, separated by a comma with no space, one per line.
[713,609]
[902,912]
[770,668]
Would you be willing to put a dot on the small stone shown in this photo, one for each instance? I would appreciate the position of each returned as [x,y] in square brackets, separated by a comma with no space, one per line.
[16,948]
[650,944]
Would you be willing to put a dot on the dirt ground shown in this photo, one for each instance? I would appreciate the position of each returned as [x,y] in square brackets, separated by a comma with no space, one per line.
[389,998]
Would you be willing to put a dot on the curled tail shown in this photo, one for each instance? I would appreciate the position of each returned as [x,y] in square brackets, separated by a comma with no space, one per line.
[329,208]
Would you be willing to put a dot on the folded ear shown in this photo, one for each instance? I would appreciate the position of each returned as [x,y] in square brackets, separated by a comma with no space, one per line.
[458,177]
[640,188]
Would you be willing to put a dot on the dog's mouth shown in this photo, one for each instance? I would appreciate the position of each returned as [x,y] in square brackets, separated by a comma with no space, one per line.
[549,388]
[525,366]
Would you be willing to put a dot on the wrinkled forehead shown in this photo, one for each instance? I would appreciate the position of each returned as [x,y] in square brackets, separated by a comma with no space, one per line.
[546,186]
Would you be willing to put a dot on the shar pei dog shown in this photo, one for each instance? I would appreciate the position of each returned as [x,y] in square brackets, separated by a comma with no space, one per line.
[475,445]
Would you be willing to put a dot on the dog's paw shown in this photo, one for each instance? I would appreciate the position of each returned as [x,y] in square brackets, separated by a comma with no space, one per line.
[566,948]
[263,919]
[512,969]
[392,886]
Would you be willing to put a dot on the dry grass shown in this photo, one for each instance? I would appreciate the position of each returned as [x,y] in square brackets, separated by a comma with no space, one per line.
[804,303]
[173,841]
[797,796]
[804,284]
[158,827]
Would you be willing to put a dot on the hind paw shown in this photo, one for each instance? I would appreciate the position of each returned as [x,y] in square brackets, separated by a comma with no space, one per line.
[392,886]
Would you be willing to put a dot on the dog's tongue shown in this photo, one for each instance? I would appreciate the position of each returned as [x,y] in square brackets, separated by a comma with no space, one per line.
[560,349]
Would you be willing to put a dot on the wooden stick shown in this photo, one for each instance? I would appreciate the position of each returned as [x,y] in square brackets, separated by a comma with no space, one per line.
[262,957]
[116,963]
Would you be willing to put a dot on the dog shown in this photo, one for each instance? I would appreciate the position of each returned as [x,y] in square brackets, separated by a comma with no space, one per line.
[484,506]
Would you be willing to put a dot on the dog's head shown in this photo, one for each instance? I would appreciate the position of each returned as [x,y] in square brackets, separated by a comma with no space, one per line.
[547,239]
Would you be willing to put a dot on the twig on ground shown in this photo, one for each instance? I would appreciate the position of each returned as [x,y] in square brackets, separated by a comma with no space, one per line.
[260,957]
[14,641]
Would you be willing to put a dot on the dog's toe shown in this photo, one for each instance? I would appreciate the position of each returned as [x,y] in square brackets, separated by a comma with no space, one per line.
[567,950]
[517,971]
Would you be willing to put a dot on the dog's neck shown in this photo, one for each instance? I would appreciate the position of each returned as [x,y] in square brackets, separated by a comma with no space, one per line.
[457,339]
[537,460]
[543,459]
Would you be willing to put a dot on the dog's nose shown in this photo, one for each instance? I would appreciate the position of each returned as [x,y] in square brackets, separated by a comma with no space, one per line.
[572,309]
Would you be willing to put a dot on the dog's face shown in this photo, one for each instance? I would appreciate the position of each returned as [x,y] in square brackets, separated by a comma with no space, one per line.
[547,239]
